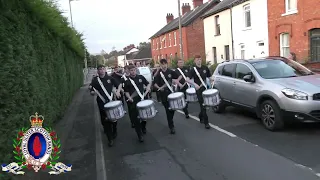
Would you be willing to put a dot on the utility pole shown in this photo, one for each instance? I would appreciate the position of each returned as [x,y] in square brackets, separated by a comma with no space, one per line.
[180,30]
[70,12]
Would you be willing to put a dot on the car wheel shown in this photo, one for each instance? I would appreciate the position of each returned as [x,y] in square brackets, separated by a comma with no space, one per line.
[271,116]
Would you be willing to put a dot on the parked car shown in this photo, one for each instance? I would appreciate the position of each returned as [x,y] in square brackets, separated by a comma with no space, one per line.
[278,90]
[146,72]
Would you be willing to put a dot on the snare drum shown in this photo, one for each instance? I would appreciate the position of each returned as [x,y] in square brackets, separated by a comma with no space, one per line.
[146,109]
[191,95]
[176,101]
[211,97]
[114,110]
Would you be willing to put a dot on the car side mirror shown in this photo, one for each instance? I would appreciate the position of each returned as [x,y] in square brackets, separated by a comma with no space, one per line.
[249,78]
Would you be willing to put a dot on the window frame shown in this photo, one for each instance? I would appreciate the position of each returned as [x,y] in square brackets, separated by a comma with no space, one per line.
[245,16]
[170,40]
[217,25]
[242,50]
[291,10]
[175,38]
[235,70]
[281,44]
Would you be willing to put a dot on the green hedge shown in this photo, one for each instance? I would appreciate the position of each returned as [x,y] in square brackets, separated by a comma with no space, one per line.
[41,60]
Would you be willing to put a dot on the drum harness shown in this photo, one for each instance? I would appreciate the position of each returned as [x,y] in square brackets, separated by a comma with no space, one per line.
[183,76]
[204,84]
[165,81]
[104,90]
[137,89]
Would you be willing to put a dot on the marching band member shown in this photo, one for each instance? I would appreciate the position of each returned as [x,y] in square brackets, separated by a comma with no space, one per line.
[200,86]
[108,83]
[160,84]
[154,74]
[124,78]
[183,84]
[132,85]
[117,76]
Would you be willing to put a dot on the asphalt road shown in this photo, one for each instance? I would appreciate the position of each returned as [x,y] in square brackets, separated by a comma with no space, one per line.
[236,148]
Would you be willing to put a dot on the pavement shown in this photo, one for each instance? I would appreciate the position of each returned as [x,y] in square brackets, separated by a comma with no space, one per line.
[236,148]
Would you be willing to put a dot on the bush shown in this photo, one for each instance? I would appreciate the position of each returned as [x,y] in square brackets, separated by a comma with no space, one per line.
[41,66]
[213,67]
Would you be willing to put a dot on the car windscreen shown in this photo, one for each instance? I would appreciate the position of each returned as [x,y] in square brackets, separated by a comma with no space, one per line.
[143,71]
[273,69]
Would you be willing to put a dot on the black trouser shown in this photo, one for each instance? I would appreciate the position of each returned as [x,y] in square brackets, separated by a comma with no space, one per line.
[110,128]
[185,110]
[203,111]
[138,124]
[170,113]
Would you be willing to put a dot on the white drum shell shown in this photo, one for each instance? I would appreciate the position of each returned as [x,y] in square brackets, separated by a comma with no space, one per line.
[176,102]
[114,110]
[210,97]
[191,95]
[146,109]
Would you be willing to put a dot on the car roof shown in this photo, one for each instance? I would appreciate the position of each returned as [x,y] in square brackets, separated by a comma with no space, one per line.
[252,61]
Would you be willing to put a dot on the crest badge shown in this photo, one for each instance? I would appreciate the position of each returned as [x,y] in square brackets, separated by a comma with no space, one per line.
[186,70]
[36,148]
[169,75]
[140,80]
[109,81]
[204,71]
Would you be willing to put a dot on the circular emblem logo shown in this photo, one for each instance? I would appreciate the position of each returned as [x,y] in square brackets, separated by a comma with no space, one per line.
[204,71]
[109,81]
[186,70]
[169,75]
[140,80]
[36,146]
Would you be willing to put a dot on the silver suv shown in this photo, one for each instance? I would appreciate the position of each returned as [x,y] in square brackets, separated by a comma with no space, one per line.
[278,90]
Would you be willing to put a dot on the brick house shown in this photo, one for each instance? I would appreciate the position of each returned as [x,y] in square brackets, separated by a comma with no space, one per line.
[294,26]
[165,43]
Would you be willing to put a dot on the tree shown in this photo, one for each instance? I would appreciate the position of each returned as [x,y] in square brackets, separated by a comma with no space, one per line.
[144,45]
[100,59]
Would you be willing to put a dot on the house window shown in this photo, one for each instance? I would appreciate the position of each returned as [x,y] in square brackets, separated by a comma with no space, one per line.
[284,44]
[154,44]
[243,52]
[176,55]
[175,38]
[170,40]
[165,43]
[157,44]
[247,16]
[162,56]
[315,45]
[160,44]
[170,56]
[166,56]
[217,23]
[227,52]
[214,51]
[158,57]
[291,6]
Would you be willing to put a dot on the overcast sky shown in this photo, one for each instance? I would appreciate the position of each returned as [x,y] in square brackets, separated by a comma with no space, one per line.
[117,23]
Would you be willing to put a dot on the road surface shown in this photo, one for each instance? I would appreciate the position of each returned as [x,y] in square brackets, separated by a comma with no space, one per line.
[237,147]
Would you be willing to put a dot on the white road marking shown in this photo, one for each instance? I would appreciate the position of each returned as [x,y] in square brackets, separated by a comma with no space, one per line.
[100,161]
[233,135]
[212,125]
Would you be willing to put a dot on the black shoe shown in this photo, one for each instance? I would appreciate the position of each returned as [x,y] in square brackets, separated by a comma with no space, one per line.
[187,116]
[144,131]
[141,139]
[132,125]
[172,131]
[110,144]
[207,126]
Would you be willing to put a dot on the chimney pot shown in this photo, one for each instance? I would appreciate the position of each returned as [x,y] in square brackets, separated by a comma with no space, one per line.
[186,8]
[169,17]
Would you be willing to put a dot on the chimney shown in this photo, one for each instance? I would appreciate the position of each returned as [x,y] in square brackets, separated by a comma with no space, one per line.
[185,8]
[169,18]
[197,3]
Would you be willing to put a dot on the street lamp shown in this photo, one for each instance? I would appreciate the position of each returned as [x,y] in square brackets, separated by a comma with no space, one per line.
[71,11]
[180,30]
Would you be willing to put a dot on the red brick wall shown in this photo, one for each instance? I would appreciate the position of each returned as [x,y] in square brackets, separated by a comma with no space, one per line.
[195,39]
[297,25]
[169,50]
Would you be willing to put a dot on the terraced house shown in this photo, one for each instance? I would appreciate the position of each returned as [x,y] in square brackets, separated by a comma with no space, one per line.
[165,43]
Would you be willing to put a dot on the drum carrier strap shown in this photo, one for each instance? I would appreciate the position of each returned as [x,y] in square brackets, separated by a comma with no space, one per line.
[183,76]
[104,90]
[137,89]
[204,84]
[164,79]
[100,96]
